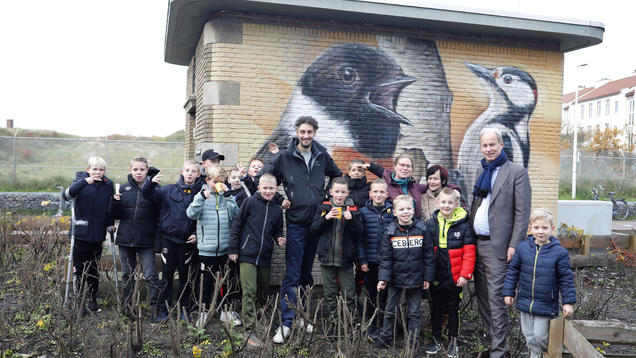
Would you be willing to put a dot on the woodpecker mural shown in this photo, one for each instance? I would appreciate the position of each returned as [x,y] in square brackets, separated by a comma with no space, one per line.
[513,97]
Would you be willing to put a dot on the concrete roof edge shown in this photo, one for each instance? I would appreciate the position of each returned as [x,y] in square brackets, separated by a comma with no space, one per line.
[185,20]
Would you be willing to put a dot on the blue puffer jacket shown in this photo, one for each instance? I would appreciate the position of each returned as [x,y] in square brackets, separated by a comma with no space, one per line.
[214,217]
[91,204]
[374,223]
[541,271]
[174,224]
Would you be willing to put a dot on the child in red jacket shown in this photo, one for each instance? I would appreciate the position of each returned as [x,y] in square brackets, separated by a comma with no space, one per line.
[455,261]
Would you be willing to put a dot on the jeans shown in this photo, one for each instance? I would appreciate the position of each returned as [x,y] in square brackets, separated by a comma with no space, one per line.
[128,257]
[86,256]
[413,301]
[300,251]
[445,300]
[176,257]
[379,298]
[229,290]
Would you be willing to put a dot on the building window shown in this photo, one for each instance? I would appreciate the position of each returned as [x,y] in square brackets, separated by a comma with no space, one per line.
[607,107]
[582,111]
[616,107]
[589,109]
[598,108]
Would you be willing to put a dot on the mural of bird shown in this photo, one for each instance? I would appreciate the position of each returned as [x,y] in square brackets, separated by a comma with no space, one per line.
[351,89]
[513,97]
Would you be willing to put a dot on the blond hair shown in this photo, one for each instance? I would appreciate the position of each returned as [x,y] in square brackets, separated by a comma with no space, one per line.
[96,162]
[268,178]
[189,162]
[379,182]
[139,159]
[215,172]
[400,198]
[542,214]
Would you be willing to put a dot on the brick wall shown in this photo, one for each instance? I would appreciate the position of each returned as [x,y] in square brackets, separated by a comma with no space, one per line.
[254,75]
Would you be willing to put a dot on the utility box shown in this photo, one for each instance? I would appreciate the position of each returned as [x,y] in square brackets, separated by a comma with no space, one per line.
[593,216]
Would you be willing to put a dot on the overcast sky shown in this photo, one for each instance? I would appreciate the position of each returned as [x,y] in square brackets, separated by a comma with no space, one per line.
[96,67]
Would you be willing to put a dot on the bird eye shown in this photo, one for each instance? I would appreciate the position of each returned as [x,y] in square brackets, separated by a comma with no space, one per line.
[348,76]
[507,79]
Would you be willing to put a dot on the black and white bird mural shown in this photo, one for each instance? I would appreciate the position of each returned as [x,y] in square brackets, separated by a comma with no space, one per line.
[513,97]
[352,90]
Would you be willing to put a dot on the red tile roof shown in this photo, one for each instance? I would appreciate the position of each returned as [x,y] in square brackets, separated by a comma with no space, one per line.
[608,89]
[569,97]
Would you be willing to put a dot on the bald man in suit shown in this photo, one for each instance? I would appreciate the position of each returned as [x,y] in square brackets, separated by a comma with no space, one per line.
[499,215]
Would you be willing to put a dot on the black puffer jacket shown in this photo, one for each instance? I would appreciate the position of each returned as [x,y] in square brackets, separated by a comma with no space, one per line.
[407,258]
[358,190]
[305,188]
[91,204]
[174,199]
[350,232]
[255,230]
[137,216]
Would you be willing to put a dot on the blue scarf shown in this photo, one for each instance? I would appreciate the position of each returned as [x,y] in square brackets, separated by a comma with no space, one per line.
[482,186]
[403,183]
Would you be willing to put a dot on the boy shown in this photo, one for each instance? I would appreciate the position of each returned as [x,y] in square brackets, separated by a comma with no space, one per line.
[375,217]
[357,182]
[454,242]
[177,233]
[258,226]
[256,165]
[92,191]
[337,227]
[238,190]
[135,238]
[407,262]
[214,213]
[541,267]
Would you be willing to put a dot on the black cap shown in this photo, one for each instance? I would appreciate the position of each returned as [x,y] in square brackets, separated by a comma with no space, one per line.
[211,154]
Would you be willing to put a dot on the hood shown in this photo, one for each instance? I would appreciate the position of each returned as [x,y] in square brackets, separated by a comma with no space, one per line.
[355,184]
[459,215]
[369,204]
[198,182]
[553,241]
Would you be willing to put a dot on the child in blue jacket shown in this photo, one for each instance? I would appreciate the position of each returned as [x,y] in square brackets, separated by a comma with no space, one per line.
[92,191]
[541,267]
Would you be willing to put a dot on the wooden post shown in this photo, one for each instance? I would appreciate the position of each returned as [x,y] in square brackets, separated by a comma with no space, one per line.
[585,245]
[576,343]
[555,343]
[632,243]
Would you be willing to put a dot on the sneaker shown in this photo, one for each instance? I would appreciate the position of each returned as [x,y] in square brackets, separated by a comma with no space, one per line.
[202,319]
[281,334]
[159,317]
[373,332]
[433,346]
[253,341]
[309,328]
[453,348]
[93,306]
[382,343]
[231,317]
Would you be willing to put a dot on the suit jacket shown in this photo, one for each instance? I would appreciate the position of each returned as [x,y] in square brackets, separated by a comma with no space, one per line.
[509,210]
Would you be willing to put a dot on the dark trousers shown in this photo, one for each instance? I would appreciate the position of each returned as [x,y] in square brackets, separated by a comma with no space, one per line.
[86,255]
[229,291]
[146,256]
[413,302]
[176,257]
[300,252]
[334,277]
[445,301]
[378,299]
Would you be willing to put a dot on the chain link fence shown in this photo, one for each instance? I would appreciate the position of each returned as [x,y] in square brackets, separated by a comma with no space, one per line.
[36,163]
[615,173]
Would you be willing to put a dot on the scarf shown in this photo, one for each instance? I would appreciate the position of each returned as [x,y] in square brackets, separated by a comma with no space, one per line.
[482,186]
[403,183]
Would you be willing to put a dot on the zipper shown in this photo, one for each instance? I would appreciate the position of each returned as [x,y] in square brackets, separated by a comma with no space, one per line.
[246,240]
[135,212]
[262,233]
[218,226]
[534,274]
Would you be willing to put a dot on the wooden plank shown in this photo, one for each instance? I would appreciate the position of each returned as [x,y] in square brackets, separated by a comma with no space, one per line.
[585,248]
[607,331]
[603,241]
[632,243]
[555,343]
[577,344]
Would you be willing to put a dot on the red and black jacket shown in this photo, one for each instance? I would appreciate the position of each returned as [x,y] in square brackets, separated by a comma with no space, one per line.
[351,231]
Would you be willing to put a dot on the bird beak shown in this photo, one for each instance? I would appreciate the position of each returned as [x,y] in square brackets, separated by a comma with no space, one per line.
[481,72]
[384,97]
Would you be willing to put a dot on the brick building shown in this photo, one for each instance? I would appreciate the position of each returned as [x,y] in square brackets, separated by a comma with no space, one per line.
[381,79]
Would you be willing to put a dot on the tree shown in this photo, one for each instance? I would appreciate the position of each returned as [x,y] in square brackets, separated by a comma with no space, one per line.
[606,142]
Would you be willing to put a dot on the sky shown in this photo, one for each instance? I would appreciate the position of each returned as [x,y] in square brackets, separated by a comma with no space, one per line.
[96,68]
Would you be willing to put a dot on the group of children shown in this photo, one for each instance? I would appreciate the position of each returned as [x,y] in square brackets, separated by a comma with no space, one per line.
[226,230]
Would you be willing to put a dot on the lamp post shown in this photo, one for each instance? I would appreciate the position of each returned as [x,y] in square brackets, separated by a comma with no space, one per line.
[576,132]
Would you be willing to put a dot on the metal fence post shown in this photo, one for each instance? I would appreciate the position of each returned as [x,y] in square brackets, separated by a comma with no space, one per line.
[15,157]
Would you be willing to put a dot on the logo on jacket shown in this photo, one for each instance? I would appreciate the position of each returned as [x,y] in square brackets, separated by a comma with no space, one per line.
[457,235]
[402,242]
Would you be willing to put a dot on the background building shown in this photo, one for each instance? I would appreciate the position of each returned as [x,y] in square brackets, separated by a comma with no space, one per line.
[381,79]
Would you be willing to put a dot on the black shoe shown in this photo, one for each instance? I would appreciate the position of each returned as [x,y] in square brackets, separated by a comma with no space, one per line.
[433,346]
[382,343]
[93,306]
[373,332]
[453,348]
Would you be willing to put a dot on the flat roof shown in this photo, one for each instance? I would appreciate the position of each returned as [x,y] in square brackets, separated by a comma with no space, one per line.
[186,19]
